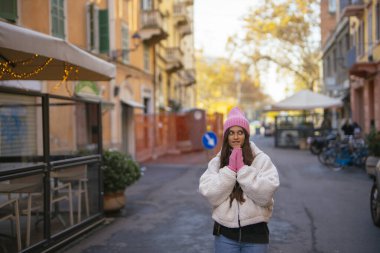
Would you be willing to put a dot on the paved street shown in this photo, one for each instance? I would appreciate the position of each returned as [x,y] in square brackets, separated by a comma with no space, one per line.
[316,210]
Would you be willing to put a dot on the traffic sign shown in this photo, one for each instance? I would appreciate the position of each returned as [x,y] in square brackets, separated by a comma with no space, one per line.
[209,140]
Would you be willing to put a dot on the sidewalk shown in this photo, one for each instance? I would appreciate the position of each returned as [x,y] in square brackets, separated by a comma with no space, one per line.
[200,158]
[164,212]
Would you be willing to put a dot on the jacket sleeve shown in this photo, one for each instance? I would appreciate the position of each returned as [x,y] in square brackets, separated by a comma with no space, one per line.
[260,180]
[217,184]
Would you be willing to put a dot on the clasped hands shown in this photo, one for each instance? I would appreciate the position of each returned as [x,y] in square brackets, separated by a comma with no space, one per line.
[236,160]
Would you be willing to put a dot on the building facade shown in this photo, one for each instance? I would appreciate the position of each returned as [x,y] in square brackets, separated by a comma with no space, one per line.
[350,56]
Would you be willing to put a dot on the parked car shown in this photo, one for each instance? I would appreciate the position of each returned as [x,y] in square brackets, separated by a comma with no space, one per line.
[375,197]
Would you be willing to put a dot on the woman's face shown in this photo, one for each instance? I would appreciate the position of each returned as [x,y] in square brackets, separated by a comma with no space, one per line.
[236,137]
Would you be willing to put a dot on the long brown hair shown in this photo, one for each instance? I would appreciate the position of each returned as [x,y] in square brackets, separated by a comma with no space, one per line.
[248,157]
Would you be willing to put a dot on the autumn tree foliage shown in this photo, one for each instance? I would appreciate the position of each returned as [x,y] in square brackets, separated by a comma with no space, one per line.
[223,83]
[285,34]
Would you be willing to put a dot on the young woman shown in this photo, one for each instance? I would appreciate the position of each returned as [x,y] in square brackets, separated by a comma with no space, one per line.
[239,183]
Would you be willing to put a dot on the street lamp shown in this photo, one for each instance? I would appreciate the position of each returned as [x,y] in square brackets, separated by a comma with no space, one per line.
[136,41]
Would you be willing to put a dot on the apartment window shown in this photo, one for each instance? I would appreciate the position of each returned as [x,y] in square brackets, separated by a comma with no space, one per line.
[146,5]
[146,58]
[332,6]
[92,27]
[378,21]
[104,43]
[8,10]
[146,104]
[369,31]
[125,42]
[58,18]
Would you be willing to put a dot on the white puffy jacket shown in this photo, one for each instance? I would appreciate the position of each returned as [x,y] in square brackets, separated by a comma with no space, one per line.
[258,182]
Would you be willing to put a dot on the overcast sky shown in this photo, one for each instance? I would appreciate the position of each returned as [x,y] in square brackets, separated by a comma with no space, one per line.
[215,20]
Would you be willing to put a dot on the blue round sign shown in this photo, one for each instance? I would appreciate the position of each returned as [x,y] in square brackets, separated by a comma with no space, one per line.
[209,140]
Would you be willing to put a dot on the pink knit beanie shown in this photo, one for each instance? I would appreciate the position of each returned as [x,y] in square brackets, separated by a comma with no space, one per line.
[236,118]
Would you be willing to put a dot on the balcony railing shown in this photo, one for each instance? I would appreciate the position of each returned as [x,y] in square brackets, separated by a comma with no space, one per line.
[151,19]
[188,2]
[151,27]
[188,76]
[351,57]
[173,59]
[173,54]
[185,30]
[180,14]
[351,7]
[179,9]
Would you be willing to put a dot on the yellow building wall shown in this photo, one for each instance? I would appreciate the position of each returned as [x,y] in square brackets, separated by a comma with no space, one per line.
[76,24]
[35,15]
[376,45]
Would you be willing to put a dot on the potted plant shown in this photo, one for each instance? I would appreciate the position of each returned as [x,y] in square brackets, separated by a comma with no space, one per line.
[119,171]
[373,142]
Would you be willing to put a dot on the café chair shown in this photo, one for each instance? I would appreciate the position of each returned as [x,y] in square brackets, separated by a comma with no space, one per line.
[13,216]
[34,201]
[76,175]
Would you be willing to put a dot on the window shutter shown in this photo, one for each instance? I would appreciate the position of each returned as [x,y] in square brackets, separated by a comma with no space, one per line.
[8,10]
[58,18]
[125,43]
[104,44]
[61,19]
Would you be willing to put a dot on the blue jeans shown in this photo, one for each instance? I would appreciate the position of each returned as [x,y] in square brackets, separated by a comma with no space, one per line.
[224,245]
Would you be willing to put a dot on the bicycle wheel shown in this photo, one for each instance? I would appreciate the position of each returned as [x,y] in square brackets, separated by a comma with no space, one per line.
[327,157]
[315,150]
[375,205]
[360,161]
[336,163]
[360,158]
[323,156]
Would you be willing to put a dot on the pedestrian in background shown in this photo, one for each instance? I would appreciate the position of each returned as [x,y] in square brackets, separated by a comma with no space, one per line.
[240,183]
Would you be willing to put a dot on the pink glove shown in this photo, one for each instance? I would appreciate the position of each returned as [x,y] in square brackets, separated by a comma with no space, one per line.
[239,159]
[232,161]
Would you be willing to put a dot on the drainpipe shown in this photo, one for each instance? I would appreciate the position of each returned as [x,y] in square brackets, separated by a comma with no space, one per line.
[112,23]
[154,155]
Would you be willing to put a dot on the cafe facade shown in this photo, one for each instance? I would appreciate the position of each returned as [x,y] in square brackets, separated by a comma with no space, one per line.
[50,143]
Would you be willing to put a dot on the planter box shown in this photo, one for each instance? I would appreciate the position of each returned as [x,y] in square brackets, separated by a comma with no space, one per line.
[113,202]
[370,165]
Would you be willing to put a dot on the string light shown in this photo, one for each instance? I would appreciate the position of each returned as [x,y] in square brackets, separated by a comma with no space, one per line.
[6,69]
[66,73]
[24,62]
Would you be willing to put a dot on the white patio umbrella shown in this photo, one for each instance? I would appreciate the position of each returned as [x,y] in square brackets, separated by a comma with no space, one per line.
[306,100]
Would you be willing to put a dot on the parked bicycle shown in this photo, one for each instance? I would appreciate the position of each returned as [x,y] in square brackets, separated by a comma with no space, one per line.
[375,198]
[318,142]
[340,154]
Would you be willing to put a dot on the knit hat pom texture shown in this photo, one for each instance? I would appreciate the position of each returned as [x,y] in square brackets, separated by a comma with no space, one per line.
[236,118]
